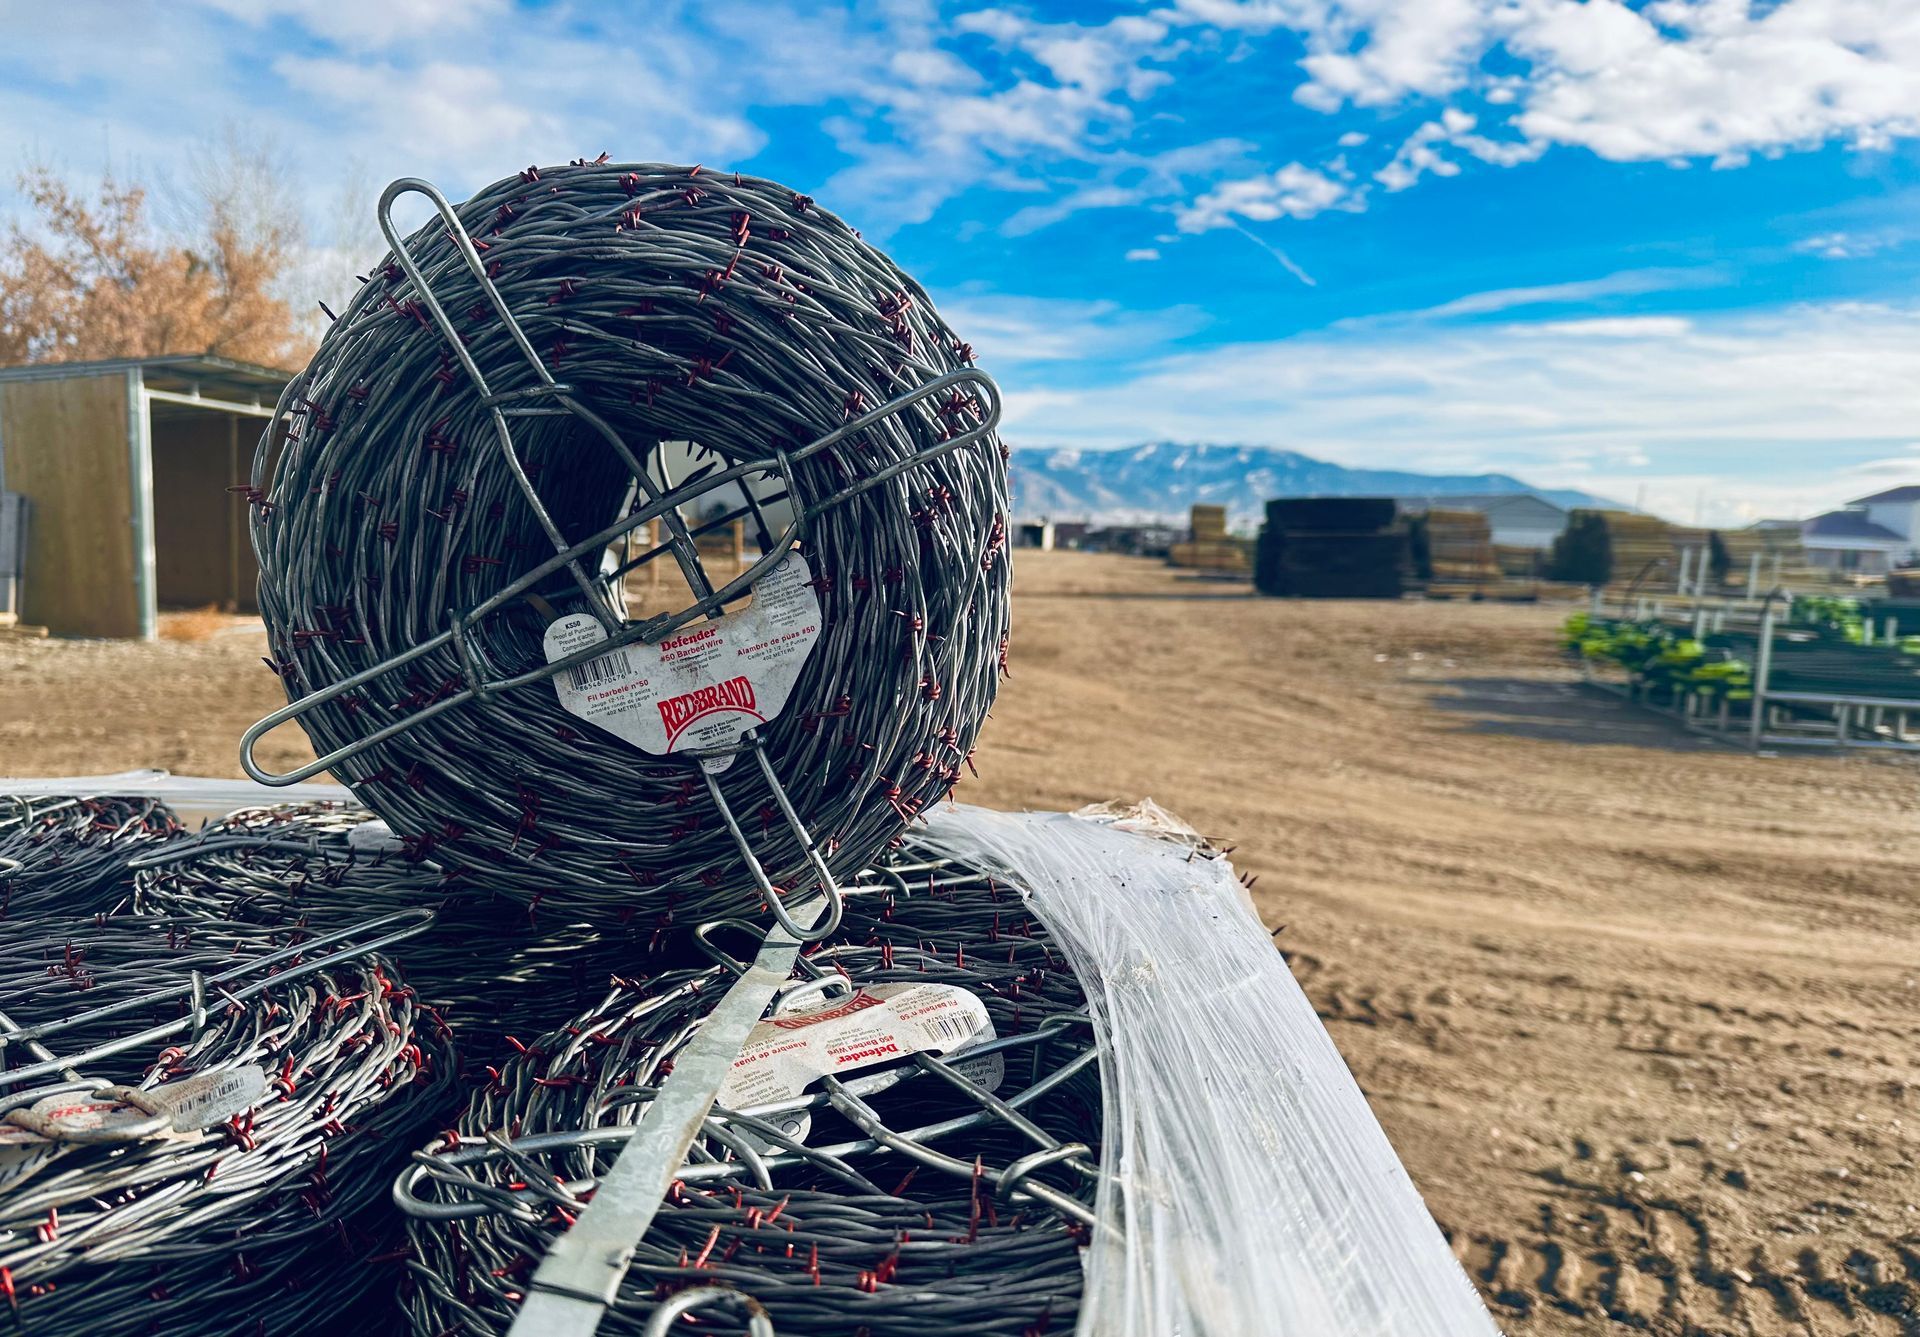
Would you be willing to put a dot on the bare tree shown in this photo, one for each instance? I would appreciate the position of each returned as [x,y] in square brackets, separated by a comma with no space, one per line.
[94,278]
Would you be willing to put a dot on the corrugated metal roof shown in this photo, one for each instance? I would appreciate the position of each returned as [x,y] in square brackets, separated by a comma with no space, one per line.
[222,377]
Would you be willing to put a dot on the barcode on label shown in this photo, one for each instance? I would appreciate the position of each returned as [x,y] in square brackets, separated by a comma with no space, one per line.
[596,671]
[952,1028]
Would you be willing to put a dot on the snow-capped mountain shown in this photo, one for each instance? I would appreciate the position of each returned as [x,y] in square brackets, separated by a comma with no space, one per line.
[1161,479]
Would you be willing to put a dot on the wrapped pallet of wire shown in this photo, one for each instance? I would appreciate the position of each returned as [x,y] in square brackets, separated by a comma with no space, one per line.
[907,1145]
[198,1120]
[1049,1076]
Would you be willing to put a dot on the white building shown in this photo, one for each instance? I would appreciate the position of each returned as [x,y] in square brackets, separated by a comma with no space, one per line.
[1869,535]
[1518,519]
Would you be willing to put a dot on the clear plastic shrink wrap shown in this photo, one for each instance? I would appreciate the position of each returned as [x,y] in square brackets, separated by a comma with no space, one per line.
[1253,1189]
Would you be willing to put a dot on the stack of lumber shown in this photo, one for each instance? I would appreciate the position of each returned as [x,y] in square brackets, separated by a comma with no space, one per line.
[1333,548]
[1456,547]
[1211,548]
[1518,561]
[1643,548]
[1782,557]
[1615,547]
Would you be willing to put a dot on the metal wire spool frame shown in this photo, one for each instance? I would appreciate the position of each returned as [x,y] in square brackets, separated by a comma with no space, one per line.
[147,1225]
[70,855]
[928,1207]
[484,421]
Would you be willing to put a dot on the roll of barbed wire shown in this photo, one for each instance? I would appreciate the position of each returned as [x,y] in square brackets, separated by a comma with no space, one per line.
[490,965]
[199,1120]
[69,855]
[945,1190]
[324,865]
[434,508]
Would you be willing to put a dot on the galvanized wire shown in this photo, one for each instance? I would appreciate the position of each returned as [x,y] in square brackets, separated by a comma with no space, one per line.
[922,1208]
[286,864]
[267,1220]
[69,855]
[674,305]
[489,965]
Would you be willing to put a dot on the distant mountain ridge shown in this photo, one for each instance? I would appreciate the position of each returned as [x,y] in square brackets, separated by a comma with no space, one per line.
[1161,479]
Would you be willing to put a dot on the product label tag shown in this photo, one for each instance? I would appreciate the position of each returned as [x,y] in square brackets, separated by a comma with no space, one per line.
[705,685]
[786,1054]
[208,1098]
[23,1154]
[190,1104]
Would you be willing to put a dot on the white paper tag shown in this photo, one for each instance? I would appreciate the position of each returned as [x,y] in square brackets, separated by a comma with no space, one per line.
[23,1154]
[72,1112]
[703,686]
[190,1104]
[208,1098]
[784,1055]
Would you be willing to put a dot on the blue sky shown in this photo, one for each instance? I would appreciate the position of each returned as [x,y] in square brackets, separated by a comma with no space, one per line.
[1665,251]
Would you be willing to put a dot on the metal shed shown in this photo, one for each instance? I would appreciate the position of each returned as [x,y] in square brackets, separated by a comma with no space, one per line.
[125,466]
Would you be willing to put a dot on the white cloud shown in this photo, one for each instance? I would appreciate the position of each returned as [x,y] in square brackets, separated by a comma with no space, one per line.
[1101,60]
[1070,337]
[1624,284]
[1672,80]
[1072,105]
[1294,191]
[1367,52]
[1794,397]
[1126,180]
[452,111]
[366,24]
[1718,79]
[1616,327]
[1421,152]
[1143,253]
[1847,245]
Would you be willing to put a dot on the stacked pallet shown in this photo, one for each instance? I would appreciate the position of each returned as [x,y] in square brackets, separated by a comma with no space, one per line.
[1212,548]
[1333,548]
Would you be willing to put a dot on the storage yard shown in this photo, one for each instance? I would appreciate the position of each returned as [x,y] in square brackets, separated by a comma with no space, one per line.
[1636,1008]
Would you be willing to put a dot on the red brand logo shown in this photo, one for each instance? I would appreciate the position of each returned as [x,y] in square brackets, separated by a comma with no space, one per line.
[859,1003]
[735,695]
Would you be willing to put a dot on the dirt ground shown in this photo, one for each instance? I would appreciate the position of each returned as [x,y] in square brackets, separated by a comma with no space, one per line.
[1638,1011]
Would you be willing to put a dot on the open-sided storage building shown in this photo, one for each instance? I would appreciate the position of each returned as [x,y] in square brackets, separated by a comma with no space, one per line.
[126,466]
